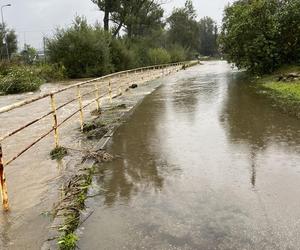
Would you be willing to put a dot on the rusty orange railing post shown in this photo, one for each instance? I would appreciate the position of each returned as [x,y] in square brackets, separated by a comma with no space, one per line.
[55,122]
[80,107]
[3,187]
[97,94]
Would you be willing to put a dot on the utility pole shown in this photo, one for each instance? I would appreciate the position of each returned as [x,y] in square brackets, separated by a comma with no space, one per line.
[44,48]
[3,30]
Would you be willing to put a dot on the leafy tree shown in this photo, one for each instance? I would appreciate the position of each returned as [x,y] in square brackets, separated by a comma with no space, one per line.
[9,36]
[28,54]
[108,7]
[82,49]
[208,32]
[289,31]
[249,35]
[139,17]
[183,27]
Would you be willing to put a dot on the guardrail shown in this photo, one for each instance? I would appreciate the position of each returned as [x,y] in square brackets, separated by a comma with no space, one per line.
[96,91]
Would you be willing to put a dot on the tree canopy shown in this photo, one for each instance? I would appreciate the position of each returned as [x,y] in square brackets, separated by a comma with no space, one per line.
[261,35]
[9,36]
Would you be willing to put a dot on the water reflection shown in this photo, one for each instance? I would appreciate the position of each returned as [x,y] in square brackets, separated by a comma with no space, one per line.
[204,163]
[136,167]
[250,119]
[253,167]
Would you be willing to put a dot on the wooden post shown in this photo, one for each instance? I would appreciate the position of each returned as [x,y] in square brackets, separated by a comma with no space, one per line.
[55,122]
[3,186]
[80,107]
[97,97]
[110,92]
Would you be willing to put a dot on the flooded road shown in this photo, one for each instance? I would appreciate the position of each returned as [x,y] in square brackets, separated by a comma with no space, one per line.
[34,180]
[203,163]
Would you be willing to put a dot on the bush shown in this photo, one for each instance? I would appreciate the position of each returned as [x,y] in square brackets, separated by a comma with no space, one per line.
[158,56]
[249,35]
[122,57]
[261,35]
[19,80]
[51,72]
[5,67]
[177,53]
[82,49]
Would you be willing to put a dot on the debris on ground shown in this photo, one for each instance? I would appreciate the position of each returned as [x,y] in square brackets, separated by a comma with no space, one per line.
[133,86]
[98,156]
[290,77]
[96,112]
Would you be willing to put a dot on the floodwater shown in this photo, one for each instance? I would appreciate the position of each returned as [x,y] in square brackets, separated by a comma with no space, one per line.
[34,180]
[203,163]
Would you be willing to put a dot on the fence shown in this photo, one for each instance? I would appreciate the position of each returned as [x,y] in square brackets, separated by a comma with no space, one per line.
[112,91]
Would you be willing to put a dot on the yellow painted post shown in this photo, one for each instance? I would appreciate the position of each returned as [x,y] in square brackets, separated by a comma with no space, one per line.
[120,86]
[110,92]
[97,97]
[55,122]
[127,79]
[80,107]
[3,186]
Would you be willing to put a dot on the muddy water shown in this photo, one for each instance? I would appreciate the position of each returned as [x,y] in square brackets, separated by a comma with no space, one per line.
[203,163]
[34,179]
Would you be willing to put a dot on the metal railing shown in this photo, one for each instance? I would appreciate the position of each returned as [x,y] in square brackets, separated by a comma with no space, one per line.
[111,88]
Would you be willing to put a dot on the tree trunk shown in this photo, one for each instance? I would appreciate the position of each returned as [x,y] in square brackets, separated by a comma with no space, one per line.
[118,29]
[129,31]
[106,19]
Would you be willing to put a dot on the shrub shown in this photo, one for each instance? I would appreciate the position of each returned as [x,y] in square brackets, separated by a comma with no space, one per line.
[122,57]
[5,67]
[261,35]
[19,80]
[82,49]
[177,53]
[158,56]
[51,72]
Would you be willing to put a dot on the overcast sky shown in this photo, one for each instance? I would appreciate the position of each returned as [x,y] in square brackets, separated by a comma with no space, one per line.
[33,19]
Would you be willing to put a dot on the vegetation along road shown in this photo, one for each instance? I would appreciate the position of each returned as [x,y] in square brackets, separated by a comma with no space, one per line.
[214,167]
[150,124]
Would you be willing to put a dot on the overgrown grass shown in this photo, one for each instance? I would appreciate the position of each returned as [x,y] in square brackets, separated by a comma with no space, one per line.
[290,91]
[76,191]
[67,242]
[58,153]
[286,94]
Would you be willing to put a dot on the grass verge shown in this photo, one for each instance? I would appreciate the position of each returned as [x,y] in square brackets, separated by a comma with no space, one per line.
[285,94]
